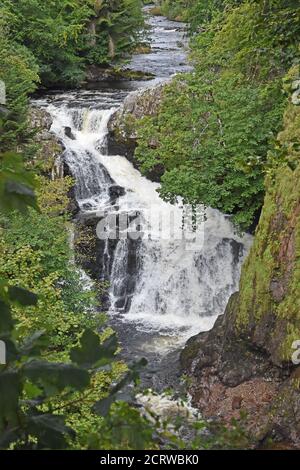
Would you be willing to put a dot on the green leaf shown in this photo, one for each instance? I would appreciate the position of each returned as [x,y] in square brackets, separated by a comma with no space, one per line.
[91,352]
[34,344]
[16,184]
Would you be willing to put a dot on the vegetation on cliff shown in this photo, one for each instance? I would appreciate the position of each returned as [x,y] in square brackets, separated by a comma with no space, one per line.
[217,124]
[249,361]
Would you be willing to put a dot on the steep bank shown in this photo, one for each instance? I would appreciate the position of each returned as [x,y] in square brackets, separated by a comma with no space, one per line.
[245,361]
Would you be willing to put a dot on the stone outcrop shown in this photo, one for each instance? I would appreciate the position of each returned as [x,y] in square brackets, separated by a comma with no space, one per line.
[96,256]
[123,128]
[96,74]
[49,155]
[247,362]
[50,149]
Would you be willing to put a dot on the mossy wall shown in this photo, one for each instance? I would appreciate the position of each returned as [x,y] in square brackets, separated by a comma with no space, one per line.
[269,301]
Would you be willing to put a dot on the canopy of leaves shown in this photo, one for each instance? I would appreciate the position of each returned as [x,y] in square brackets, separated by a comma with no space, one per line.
[216,125]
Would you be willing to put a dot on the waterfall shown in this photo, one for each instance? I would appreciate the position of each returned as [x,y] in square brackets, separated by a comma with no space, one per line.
[158,282]
[170,280]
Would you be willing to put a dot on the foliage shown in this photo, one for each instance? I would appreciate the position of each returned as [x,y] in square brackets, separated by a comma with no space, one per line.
[195,12]
[31,386]
[214,150]
[18,71]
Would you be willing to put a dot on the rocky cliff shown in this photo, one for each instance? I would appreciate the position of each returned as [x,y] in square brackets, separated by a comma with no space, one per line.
[248,362]
[48,157]
[123,126]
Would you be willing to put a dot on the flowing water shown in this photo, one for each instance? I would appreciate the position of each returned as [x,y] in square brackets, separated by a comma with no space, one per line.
[173,282]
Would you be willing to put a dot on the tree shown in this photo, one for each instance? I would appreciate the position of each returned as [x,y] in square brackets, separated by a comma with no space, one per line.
[215,150]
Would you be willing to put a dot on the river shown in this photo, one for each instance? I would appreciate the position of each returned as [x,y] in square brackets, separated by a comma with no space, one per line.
[161,291]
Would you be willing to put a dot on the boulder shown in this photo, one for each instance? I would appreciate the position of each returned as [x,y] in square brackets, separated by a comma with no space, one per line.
[123,125]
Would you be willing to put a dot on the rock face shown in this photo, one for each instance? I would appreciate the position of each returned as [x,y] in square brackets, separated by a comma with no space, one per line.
[97,258]
[96,74]
[49,154]
[123,129]
[246,361]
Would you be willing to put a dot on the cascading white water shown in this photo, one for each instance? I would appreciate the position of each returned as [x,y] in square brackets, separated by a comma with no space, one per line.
[179,289]
[164,285]
[88,128]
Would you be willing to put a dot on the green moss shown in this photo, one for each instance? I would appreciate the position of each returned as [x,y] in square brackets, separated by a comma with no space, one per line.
[274,259]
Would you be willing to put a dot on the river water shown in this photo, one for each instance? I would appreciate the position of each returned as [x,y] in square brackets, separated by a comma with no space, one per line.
[163,288]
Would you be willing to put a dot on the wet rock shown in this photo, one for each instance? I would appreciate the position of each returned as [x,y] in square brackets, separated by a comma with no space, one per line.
[115,147]
[97,256]
[69,133]
[284,414]
[232,357]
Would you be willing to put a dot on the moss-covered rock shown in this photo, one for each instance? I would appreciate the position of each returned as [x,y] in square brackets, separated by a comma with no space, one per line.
[123,126]
[250,348]
[269,301]
[49,162]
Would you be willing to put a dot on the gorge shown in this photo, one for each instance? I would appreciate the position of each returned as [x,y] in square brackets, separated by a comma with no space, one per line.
[162,291]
